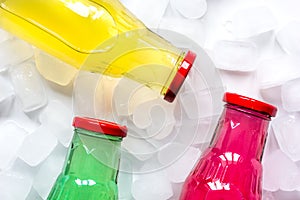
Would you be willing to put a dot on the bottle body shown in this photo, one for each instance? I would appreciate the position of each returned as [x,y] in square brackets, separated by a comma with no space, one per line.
[231,169]
[91,168]
[99,36]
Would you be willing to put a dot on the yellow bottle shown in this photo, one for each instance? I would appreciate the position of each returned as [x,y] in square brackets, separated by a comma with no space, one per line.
[99,36]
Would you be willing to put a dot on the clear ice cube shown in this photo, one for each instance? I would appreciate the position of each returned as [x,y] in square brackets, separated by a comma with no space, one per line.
[14,51]
[235,55]
[290,95]
[280,172]
[192,28]
[194,9]
[14,186]
[58,124]
[11,139]
[6,90]
[4,35]
[289,37]
[28,86]
[181,168]
[125,178]
[170,153]
[267,195]
[276,71]
[151,17]
[162,119]
[128,94]
[272,95]
[49,171]
[286,129]
[152,186]
[84,93]
[198,104]
[104,97]
[252,21]
[139,147]
[37,146]
[53,69]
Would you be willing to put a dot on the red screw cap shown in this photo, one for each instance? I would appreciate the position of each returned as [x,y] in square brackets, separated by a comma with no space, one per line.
[100,126]
[180,76]
[250,103]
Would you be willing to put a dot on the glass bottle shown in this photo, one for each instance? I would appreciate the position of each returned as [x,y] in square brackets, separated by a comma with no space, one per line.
[230,169]
[99,36]
[91,168]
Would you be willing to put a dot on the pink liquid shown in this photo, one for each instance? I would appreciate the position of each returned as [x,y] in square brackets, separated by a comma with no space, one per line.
[230,168]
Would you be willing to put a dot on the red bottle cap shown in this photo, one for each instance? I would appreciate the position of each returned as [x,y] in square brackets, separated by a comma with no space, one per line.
[100,126]
[180,76]
[250,103]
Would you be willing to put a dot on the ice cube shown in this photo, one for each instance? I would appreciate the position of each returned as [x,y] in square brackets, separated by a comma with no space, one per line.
[289,37]
[272,95]
[244,83]
[271,143]
[53,112]
[11,138]
[57,123]
[14,186]
[267,195]
[271,72]
[63,132]
[235,55]
[196,131]
[84,93]
[180,169]
[37,146]
[192,10]
[49,171]
[266,45]
[286,195]
[162,119]
[252,21]
[151,17]
[6,89]
[4,35]
[141,115]
[22,119]
[152,186]
[33,195]
[139,147]
[28,86]
[290,95]
[5,195]
[128,94]
[104,98]
[125,178]
[22,168]
[53,69]
[171,153]
[192,28]
[286,129]
[280,172]
[198,103]
[14,51]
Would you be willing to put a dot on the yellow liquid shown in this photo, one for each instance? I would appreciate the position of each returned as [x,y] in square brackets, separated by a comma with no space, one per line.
[99,36]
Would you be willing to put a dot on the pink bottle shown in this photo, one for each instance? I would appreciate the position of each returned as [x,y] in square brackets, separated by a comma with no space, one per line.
[230,169]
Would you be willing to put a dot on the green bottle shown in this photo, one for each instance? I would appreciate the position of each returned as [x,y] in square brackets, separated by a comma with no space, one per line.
[91,168]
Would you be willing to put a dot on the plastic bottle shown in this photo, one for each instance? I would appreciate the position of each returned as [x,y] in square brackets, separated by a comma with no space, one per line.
[91,168]
[230,169]
[99,36]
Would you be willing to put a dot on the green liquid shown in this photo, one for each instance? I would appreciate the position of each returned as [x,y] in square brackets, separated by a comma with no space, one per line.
[90,172]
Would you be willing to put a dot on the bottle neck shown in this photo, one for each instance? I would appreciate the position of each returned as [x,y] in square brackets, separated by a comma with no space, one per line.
[93,156]
[241,131]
